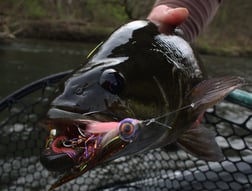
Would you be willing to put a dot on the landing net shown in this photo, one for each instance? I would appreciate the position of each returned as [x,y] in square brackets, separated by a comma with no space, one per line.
[22,140]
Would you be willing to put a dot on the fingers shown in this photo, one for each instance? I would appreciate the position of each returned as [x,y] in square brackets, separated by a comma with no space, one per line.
[168,18]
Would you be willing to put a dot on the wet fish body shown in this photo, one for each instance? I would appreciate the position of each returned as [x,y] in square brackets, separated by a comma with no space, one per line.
[140,90]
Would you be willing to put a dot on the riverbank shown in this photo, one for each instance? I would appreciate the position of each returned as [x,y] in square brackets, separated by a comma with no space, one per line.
[93,32]
[224,43]
[230,32]
[87,32]
[64,30]
[78,20]
[222,48]
[93,21]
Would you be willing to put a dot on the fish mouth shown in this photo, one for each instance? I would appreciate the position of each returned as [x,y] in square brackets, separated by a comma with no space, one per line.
[73,142]
[69,113]
[82,142]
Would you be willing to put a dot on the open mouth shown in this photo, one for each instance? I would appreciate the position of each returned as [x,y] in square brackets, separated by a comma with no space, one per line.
[56,112]
[78,143]
[73,142]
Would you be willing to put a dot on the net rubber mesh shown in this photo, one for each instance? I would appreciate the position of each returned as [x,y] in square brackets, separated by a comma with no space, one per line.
[22,140]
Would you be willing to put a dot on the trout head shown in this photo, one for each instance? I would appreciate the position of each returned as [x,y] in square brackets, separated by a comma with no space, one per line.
[105,109]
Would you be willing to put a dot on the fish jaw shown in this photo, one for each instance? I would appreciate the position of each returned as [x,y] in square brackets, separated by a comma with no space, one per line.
[79,140]
[78,145]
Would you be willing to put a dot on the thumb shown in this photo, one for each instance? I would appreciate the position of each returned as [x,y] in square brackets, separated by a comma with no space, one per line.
[167,18]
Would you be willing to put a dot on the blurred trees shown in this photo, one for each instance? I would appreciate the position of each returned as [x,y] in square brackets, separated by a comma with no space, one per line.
[230,32]
[138,9]
[111,11]
[230,29]
[61,19]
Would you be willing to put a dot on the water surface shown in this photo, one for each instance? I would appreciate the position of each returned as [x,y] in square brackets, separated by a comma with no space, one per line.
[24,61]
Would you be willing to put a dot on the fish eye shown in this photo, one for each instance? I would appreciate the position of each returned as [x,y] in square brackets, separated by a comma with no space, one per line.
[112,80]
[128,129]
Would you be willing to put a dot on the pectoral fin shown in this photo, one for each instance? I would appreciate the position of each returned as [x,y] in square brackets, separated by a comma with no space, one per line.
[201,143]
[209,92]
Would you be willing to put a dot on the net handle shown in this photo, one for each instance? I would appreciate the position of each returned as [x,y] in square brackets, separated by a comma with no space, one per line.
[240,97]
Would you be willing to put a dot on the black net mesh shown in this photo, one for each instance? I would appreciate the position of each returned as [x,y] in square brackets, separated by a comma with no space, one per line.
[22,140]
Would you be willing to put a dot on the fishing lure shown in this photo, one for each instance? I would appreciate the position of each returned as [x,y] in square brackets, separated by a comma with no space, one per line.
[90,137]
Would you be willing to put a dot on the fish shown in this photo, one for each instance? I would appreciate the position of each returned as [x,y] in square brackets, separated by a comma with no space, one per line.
[139,90]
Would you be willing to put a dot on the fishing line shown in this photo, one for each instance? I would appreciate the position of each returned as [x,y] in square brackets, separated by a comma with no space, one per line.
[154,120]
[159,123]
[175,111]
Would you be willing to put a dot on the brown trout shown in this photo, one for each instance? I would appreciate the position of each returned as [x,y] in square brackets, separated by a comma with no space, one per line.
[140,90]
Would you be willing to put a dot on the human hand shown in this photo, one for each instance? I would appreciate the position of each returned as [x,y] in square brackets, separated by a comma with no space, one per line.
[167,18]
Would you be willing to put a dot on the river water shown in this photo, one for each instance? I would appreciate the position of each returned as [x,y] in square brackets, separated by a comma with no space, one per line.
[24,61]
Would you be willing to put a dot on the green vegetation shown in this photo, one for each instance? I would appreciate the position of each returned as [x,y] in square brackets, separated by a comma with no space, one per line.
[93,20]
[102,11]
[111,12]
[34,10]
[89,20]
[230,32]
